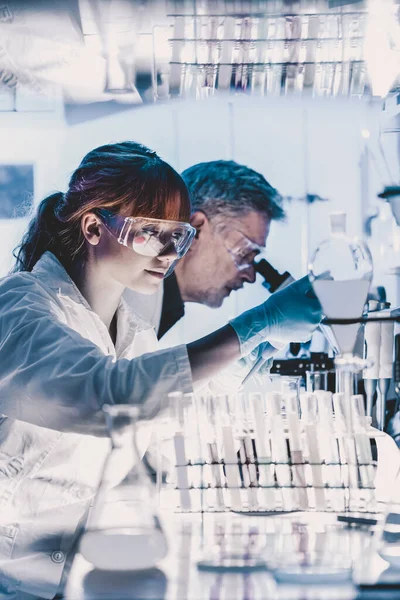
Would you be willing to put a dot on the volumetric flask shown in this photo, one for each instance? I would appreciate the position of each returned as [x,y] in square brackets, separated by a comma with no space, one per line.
[123,531]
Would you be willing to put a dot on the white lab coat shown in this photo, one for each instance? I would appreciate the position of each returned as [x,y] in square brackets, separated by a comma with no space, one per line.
[58,366]
[148,308]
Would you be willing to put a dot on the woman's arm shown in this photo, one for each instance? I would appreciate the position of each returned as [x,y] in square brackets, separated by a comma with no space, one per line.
[212,354]
[53,377]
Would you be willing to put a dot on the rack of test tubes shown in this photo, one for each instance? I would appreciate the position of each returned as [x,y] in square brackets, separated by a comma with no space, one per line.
[269,452]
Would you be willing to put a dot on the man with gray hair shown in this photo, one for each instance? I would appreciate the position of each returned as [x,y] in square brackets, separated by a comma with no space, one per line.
[232,209]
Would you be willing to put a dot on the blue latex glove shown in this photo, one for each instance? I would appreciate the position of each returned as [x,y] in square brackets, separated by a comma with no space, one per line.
[289,315]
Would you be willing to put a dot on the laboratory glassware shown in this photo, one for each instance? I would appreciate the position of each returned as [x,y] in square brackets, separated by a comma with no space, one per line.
[179,446]
[290,386]
[123,531]
[341,272]
[308,554]
[285,384]
[316,380]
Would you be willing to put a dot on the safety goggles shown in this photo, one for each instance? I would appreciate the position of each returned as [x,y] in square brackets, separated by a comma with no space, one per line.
[242,250]
[149,237]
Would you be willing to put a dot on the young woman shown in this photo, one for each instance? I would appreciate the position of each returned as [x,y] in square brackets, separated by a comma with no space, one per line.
[68,345]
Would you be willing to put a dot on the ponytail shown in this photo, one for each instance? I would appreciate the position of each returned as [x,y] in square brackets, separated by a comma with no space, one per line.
[42,234]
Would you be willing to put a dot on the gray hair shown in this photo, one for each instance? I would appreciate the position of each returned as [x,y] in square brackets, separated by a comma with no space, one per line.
[223,187]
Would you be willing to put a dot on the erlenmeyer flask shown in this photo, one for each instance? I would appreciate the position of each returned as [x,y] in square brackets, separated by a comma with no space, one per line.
[123,531]
[341,272]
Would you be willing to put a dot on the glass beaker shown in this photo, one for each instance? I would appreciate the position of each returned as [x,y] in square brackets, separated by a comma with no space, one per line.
[316,380]
[287,385]
[123,531]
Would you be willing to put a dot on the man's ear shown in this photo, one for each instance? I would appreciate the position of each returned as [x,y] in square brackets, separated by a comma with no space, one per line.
[91,228]
[200,222]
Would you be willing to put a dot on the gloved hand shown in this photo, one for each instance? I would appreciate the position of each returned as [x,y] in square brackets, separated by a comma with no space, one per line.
[289,315]
[230,380]
[247,362]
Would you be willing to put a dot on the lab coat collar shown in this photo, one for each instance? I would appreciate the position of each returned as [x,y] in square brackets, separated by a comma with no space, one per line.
[53,274]
[50,270]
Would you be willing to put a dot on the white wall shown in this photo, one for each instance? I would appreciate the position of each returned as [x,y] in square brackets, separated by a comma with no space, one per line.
[382,156]
[300,146]
[30,138]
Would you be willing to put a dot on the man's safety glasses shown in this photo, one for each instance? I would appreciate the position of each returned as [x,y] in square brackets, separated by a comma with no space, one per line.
[242,250]
[149,237]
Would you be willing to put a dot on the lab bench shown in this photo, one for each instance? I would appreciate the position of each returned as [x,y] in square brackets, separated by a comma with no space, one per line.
[345,553]
[190,571]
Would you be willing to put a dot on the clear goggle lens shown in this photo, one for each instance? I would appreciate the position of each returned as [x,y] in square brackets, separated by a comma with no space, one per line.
[150,237]
[242,250]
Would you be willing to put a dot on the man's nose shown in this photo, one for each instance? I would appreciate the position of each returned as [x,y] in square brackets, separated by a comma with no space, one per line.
[248,274]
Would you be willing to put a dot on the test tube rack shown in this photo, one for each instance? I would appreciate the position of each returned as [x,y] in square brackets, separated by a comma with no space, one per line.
[277,463]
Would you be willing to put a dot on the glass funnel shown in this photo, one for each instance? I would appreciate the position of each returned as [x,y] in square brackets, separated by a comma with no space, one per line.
[123,531]
[341,272]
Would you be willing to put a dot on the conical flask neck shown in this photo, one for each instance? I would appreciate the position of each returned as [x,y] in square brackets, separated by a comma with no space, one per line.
[121,424]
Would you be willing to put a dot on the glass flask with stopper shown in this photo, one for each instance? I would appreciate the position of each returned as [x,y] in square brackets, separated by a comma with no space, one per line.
[341,272]
[123,531]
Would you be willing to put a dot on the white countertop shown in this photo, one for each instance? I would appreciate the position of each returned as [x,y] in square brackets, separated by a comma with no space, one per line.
[195,537]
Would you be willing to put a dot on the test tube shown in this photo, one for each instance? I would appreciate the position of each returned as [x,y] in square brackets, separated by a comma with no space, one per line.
[279,449]
[246,453]
[363,448]
[263,449]
[214,455]
[385,369]
[182,469]
[174,414]
[340,429]
[372,344]
[349,447]
[296,452]
[203,477]
[329,450]
[229,453]
[176,55]
[225,69]
[309,416]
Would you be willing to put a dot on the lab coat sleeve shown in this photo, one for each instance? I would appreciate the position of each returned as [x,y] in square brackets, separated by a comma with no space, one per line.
[53,377]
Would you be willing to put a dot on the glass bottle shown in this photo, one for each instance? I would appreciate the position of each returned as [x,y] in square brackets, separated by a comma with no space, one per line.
[123,531]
